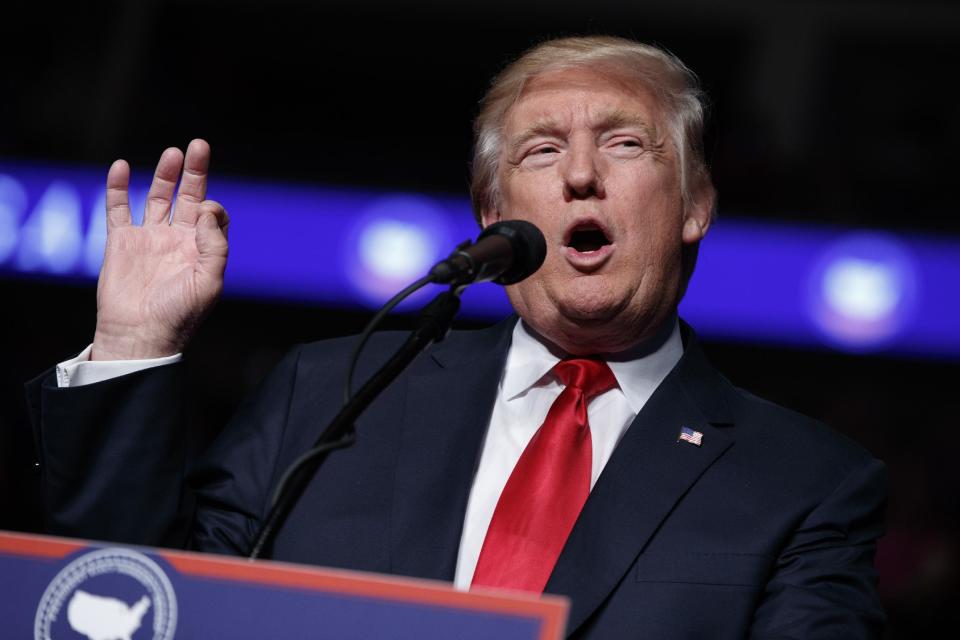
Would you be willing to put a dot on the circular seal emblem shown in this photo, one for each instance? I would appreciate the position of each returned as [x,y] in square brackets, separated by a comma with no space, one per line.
[106,594]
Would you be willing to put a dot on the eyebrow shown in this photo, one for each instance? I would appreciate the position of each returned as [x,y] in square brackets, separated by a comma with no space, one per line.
[618,119]
[615,119]
[543,127]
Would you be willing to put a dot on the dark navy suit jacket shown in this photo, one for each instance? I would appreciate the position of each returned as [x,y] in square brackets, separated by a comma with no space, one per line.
[767,530]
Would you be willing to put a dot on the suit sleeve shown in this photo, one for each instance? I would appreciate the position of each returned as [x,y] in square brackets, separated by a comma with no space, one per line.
[115,458]
[112,456]
[824,584]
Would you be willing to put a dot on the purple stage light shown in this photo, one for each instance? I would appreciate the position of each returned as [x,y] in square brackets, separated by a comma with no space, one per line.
[802,285]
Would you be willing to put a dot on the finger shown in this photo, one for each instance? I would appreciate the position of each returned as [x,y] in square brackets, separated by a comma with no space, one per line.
[118,195]
[161,189]
[193,184]
[214,208]
[212,240]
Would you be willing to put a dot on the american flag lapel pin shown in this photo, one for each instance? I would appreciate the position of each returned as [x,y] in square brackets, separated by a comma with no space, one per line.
[689,435]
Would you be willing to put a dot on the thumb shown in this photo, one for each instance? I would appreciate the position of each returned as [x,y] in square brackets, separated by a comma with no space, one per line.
[212,241]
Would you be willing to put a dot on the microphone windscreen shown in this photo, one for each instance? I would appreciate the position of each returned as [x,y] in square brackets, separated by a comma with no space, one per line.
[527,243]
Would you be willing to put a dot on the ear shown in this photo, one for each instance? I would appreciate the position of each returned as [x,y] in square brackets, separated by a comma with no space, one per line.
[696,219]
[488,217]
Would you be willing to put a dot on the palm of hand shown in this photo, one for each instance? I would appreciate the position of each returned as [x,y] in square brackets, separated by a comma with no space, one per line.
[153,281]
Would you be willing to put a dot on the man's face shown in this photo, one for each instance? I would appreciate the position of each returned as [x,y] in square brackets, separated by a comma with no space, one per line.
[587,159]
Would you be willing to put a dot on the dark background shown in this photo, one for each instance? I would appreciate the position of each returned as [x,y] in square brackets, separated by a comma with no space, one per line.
[839,112]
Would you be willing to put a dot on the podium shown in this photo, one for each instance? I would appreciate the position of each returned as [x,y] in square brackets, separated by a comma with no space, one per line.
[57,588]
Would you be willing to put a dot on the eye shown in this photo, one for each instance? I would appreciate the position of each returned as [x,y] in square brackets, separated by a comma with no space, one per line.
[541,155]
[625,146]
[626,142]
[543,150]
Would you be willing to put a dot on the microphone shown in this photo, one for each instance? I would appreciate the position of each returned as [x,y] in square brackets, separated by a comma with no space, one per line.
[505,252]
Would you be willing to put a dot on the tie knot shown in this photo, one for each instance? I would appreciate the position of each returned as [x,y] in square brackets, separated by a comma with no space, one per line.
[592,377]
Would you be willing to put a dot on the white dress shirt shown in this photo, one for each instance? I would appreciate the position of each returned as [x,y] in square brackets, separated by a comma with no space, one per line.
[525,394]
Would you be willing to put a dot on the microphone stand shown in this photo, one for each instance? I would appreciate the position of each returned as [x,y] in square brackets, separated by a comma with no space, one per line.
[434,323]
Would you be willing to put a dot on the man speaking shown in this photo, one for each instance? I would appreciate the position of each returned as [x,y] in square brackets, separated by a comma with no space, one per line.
[586,448]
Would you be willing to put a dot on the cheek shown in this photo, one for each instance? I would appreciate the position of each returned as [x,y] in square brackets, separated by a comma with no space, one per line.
[524,193]
[650,217]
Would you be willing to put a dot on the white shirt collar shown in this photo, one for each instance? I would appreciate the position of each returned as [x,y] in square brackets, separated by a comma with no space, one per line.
[638,371]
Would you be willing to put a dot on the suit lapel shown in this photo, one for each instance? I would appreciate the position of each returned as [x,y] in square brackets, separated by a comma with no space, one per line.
[649,471]
[450,396]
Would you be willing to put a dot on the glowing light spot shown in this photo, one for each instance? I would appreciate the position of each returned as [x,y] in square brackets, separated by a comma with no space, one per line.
[52,235]
[861,289]
[394,241]
[395,250]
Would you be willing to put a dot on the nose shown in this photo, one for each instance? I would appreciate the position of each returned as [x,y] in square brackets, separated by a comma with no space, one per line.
[582,172]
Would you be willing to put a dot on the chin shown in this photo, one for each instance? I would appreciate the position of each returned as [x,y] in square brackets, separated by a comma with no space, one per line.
[585,319]
[608,328]
[587,314]
[593,304]
[583,327]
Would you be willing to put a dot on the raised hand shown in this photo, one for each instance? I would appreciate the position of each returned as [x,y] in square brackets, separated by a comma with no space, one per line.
[159,279]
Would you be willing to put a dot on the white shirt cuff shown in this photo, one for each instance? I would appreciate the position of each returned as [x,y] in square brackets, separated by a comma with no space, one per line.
[79,371]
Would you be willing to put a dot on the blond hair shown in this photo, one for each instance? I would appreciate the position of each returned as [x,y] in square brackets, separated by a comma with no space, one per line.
[675,87]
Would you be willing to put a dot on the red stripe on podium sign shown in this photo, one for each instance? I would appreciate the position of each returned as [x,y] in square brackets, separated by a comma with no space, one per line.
[37,546]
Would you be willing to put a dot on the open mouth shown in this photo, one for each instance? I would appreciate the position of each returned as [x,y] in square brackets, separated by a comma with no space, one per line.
[587,238]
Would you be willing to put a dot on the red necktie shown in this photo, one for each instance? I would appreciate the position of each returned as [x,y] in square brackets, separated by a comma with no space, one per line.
[547,488]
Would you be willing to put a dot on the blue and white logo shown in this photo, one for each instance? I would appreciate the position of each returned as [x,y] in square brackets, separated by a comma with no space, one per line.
[108,594]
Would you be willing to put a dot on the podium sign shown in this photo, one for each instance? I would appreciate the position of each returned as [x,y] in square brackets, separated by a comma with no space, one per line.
[55,588]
